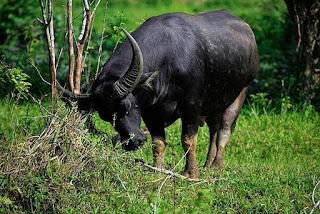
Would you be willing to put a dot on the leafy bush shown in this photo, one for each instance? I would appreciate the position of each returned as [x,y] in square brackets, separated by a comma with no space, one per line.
[14,82]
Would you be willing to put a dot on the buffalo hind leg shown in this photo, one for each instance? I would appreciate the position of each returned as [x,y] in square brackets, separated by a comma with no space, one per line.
[228,121]
[213,128]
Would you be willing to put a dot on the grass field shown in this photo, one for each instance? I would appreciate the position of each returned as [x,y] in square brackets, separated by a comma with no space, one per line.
[271,166]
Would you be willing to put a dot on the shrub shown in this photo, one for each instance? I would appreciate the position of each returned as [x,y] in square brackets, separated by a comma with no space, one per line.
[14,82]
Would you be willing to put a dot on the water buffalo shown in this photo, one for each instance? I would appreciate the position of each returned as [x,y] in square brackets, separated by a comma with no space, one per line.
[194,67]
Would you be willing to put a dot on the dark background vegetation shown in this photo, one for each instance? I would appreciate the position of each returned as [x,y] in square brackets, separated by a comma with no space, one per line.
[46,165]
[23,39]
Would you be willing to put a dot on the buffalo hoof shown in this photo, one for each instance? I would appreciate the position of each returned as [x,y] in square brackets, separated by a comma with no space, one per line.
[218,163]
[208,164]
[191,174]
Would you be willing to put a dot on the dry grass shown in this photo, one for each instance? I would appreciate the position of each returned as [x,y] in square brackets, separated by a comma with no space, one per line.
[62,149]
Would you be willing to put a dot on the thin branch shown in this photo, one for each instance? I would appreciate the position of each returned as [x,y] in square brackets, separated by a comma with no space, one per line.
[315,207]
[167,172]
[59,57]
[101,39]
[207,181]
[50,12]
[95,8]
[40,21]
[158,195]
[124,187]
[89,42]
[315,204]
[314,191]
[85,23]
[45,81]
[43,11]
[42,113]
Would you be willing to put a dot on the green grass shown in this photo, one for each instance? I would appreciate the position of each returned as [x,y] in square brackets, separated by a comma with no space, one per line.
[271,166]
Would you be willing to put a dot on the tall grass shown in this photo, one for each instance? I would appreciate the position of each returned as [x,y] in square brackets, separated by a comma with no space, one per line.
[271,165]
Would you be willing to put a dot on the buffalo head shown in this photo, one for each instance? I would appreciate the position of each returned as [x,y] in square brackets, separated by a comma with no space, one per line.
[114,101]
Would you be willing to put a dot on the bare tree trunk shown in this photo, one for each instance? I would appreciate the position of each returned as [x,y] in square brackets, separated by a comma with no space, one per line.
[48,23]
[305,15]
[70,44]
[80,43]
[52,57]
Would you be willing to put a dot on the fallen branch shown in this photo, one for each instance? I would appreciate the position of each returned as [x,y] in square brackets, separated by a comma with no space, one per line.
[39,73]
[314,192]
[314,207]
[316,204]
[165,171]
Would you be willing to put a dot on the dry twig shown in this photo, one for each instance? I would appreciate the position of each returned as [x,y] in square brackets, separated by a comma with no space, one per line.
[315,207]
[101,39]
[315,204]
[39,73]
[167,172]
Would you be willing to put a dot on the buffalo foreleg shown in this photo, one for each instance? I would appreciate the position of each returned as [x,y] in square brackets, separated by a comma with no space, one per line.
[158,141]
[158,148]
[189,144]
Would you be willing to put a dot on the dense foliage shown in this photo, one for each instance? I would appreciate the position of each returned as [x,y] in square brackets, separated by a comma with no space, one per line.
[22,39]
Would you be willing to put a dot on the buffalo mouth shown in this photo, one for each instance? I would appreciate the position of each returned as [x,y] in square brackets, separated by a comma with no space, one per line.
[129,144]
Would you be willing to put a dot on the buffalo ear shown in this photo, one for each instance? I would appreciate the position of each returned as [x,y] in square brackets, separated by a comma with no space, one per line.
[146,80]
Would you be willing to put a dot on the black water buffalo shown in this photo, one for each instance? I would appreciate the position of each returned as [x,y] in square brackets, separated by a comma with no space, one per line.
[193,67]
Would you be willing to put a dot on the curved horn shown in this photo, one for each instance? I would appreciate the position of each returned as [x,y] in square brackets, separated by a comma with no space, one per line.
[127,83]
[70,94]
